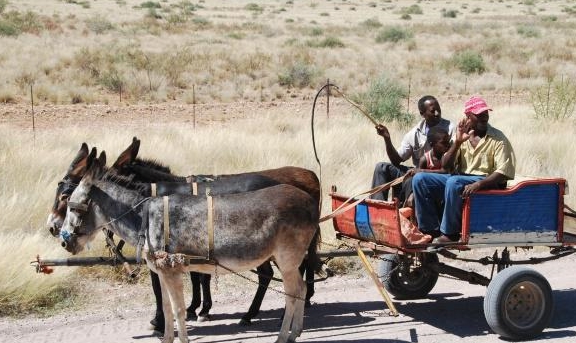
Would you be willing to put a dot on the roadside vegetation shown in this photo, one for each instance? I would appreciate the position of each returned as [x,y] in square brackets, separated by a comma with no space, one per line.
[383,54]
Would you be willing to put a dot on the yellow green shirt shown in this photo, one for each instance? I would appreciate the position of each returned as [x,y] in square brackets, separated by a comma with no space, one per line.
[493,153]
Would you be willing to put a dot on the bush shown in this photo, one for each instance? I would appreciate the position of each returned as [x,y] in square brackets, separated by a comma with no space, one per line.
[555,100]
[254,7]
[3,4]
[528,31]
[298,75]
[469,62]
[372,23]
[414,9]
[328,42]
[8,28]
[99,24]
[393,34]
[449,13]
[150,4]
[383,101]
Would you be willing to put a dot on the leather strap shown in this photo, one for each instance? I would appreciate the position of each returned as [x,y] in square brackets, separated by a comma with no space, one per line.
[210,205]
[166,223]
[153,191]
[194,187]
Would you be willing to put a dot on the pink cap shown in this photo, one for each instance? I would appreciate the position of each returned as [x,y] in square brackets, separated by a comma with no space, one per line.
[476,105]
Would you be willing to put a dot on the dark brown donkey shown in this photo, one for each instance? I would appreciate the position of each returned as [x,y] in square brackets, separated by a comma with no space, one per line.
[150,171]
[234,232]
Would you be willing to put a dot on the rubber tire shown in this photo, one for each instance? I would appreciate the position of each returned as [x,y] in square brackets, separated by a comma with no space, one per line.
[514,286]
[416,284]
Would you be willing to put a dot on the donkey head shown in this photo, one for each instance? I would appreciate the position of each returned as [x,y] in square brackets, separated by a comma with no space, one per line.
[75,172]
[74,232]
[142,170]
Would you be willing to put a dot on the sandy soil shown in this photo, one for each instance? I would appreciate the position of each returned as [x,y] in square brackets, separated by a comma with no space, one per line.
[345,309]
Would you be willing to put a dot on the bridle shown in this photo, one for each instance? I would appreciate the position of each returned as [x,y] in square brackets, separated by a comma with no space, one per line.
[81,210]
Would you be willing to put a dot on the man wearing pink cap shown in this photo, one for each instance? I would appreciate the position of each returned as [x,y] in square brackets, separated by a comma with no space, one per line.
[480,158]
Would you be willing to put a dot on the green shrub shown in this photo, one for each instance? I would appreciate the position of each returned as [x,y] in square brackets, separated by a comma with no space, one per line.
[298,75]
[150,4]
[254,7]
[8,28]
[555,100]
[111,80]
[316,31]
[328,42]
[393,34]
[3,4]
[383,101]
[99,24]
[13,23]
[469,62]
[528,31]
[406,16]
[372,23]
[414,9]
[201,22]
[449,13]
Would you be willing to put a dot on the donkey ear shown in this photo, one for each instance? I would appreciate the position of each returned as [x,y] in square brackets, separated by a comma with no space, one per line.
[128,155]
[78,167]
[102,158]
[96,166]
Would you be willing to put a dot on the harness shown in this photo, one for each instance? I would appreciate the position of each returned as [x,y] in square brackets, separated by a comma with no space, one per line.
[164,252]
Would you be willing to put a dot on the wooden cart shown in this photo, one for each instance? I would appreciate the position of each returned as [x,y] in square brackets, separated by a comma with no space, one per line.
[531,213]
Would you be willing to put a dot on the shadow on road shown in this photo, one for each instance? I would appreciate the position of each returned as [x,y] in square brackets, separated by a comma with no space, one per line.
[449,312]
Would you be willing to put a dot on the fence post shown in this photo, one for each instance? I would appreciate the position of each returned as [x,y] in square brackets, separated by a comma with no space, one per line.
[33,119]
[548,96]
[328,99]
[409,88]
[510,94]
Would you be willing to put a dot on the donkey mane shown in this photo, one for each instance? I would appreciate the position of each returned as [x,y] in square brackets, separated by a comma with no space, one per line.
[153,164]
[124,181]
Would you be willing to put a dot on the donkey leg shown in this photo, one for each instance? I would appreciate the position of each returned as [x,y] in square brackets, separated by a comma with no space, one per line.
[265,273]
[158,321]
[206,297]
[294,312]
[172,281]
[196,299]
[167,308]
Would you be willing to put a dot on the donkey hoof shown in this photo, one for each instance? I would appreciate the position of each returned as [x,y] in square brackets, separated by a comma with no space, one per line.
[191,315]
[203,318]
[245,322]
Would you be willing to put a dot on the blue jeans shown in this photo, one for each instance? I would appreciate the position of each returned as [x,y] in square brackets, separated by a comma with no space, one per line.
[430,189]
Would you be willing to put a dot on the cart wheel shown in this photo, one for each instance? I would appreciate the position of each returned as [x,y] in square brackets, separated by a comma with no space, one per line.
[408,276]
[518,303]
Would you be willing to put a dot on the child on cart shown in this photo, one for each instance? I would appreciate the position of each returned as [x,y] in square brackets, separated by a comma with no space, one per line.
[430,162]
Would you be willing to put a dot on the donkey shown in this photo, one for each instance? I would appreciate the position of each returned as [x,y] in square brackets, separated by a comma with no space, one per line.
[151,171]
[148,171]
[242,230]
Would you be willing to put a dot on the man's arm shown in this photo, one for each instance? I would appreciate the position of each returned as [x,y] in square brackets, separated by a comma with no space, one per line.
[460,137]
[395,159]
[491,181]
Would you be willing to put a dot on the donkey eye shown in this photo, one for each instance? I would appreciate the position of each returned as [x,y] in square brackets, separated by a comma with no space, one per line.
[63,197]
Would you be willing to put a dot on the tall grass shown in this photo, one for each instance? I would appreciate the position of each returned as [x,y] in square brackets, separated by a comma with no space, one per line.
[347,144]
[217,36]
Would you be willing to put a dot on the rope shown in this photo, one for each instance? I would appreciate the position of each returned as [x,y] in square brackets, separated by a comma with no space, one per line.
[364,195]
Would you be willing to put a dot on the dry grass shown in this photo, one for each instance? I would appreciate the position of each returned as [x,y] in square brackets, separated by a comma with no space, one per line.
[89,52]
[155,51]
[347,144]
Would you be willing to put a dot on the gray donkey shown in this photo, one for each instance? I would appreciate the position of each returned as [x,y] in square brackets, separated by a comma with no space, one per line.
[228,233]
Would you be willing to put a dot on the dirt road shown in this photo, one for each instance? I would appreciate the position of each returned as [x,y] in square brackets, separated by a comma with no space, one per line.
[345,309]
